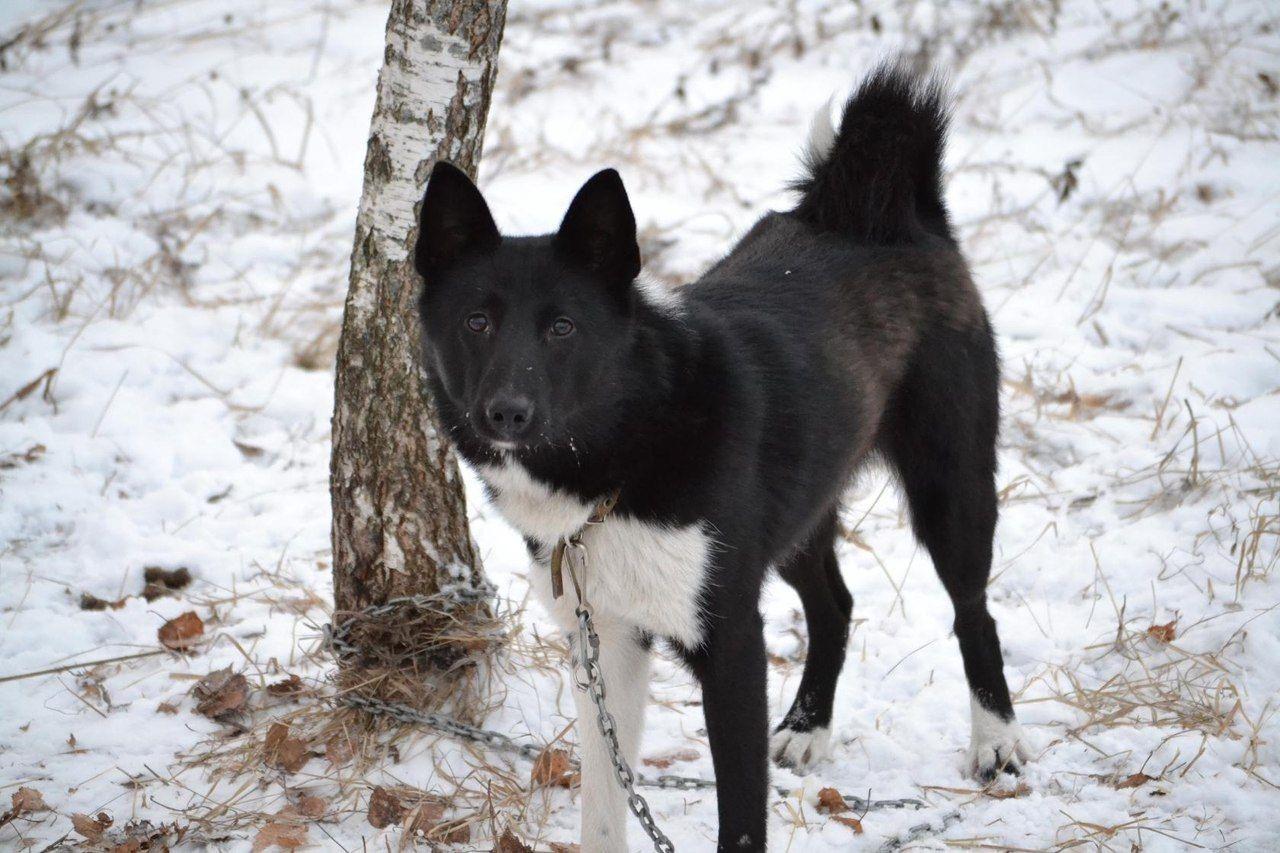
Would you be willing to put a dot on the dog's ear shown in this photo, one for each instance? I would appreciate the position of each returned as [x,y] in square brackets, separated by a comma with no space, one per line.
[454,220]
[599,230]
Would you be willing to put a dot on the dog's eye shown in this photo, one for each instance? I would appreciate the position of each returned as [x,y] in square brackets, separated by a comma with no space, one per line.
[477,322]
[561,327]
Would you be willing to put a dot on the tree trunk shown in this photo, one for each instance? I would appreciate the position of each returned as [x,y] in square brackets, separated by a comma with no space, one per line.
[399,514]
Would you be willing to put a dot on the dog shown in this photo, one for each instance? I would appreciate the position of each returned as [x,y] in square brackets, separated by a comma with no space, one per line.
[728,418]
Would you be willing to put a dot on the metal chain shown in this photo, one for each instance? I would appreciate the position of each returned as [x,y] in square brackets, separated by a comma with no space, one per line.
[336,637]
[442,723]
[586,658]
[497,740]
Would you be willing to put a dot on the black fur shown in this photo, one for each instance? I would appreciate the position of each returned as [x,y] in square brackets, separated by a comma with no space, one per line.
[845,327]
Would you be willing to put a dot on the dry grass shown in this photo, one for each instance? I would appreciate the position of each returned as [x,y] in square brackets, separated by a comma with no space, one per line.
[1136,676]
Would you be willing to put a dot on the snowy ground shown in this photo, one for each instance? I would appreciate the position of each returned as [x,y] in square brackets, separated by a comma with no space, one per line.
[180,179]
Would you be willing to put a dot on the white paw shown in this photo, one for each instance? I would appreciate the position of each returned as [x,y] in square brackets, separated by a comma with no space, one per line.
[997,746]
[800,750]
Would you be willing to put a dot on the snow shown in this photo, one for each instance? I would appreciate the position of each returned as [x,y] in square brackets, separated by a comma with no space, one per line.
[178,257]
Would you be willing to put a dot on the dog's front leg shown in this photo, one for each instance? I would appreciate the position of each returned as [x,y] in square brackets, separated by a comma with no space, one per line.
[624,664]
[731,667]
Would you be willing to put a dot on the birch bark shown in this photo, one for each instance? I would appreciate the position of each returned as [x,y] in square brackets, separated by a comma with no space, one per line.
[399,515]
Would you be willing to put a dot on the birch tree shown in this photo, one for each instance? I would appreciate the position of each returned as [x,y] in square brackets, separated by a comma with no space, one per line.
[399,514]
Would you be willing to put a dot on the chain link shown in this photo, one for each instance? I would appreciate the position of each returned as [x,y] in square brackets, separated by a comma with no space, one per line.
[586,658]
[337,637]
[586,663]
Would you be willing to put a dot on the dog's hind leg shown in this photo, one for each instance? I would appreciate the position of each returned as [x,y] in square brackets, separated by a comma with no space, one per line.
[624,664]
[804,736]
[939,434]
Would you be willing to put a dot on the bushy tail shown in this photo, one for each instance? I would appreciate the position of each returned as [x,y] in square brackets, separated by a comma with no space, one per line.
[879,179]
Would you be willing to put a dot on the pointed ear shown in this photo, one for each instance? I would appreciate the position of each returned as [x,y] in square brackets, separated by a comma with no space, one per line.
[453,221]
[599,229]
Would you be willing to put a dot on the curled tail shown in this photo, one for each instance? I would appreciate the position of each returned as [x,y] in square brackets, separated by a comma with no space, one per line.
[879,179]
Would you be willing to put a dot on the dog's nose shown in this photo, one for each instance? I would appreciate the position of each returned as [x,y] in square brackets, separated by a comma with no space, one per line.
[510,417]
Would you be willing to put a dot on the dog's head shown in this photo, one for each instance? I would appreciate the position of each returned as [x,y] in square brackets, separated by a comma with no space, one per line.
[525,337]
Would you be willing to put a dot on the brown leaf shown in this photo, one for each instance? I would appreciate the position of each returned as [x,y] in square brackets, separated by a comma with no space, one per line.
[423,817]
[1135,780]
[287,753]
[564,847]
[384,808]
[662,762]
[851,822]
[159,582]
[1163,633]
[313,807]
[552,769]
[249,451]
[167,708]
[286,686]
[459,833]
[280,834]
[25,391]
[221,692]
[89,601]
[182,631]
[508,843]
[27,800]
[31,454]
[91,827]
[831,801]
[1021,790]
[338,751]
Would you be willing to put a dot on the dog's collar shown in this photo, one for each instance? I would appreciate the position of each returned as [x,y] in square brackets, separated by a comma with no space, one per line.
[574,540]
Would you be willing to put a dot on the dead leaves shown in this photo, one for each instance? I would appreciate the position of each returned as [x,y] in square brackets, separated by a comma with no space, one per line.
[99,831]
[26,390]
[662,762]
[849,821]
[26,800]
[831,802]
[1164,633]
[221,693]
[91,828]
[1000,793]
[157,582]
[23,801]
[181,632]
[508,843]
[89,601]
[13,460]
[287,829]
[553,769]
[385,808]
[289,686]
[312,806]
[1133,780]
[338,751]
[287,753]
[284,834]
[417,812]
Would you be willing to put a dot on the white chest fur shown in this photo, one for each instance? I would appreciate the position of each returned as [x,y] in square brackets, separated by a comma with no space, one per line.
[650,576]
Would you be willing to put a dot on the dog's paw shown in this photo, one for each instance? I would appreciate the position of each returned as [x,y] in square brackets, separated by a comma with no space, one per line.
[799,751]
[997,747]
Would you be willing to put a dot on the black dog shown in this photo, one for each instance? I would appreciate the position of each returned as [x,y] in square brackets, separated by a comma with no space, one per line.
[729,417]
